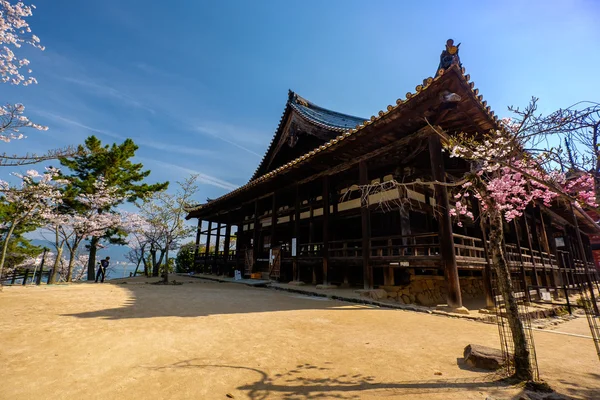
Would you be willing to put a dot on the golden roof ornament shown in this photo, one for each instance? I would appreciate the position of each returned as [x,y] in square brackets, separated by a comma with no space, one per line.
[449,56]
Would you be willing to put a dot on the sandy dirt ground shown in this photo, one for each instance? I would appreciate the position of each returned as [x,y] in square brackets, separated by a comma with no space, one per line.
[206,340]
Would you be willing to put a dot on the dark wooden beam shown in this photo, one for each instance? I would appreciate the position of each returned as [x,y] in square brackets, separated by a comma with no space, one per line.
[325,228]
[256,236]
[454,297]
[207,250]
[535,280]
[365,218]
[522,265]
[226,249]
[197,249]
[585,261]
[296,245]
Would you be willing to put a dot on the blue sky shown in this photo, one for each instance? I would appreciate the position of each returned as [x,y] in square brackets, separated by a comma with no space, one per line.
[201,85]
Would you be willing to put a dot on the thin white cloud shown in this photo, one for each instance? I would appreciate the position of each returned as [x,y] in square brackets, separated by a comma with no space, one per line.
[103,90]
[140,142]
[72,122]
[174,148]
[202,178]
[223,134]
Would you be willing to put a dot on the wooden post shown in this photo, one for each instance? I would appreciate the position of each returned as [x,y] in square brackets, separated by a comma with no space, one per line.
[295,267]
[585,262]
[365,218]
[25,277]
[256,235]
[311,236]
[325,249]
[207,250]
[14,277]
[445,223]
[215,261]
[534,279]
[536,240]
[197,249]
[487,269]
[273,221]
[550,250]
[225,270]
[522,269]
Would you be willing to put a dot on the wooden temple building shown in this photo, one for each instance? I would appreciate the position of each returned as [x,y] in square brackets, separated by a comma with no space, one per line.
[301,219]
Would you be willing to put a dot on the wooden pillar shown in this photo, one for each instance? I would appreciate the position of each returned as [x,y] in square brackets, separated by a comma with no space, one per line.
[25,277]
[226,249]
[214,265]
[296,238]
[239,238]
[325,249]
[522,264]
[536,240]
[488,293]
[207,250]
[534,280]
[311,236]
[588,278]
[273,220]
[255,236]
[197,249]
[365,218]
[445,223]
[551,250]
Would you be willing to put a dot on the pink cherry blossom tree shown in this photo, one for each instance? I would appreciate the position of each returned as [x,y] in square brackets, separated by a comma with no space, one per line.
[35,199]
[505,180]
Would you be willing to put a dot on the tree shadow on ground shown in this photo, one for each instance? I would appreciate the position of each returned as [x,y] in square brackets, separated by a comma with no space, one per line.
[297,384]
[198,298]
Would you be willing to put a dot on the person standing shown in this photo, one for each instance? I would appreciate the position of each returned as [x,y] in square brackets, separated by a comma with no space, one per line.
[102,269]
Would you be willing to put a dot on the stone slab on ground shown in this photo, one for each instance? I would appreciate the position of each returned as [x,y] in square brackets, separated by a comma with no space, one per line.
[483,357]
[325,287]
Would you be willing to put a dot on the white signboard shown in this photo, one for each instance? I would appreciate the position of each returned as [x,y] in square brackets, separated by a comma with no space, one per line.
[293,247]
[238,275]
[560,241]
[546,296]
[270,256]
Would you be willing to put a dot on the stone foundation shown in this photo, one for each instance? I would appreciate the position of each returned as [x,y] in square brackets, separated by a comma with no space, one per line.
[428,290]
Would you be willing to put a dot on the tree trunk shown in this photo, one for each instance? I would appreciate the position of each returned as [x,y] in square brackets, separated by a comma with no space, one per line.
[92,259]
[146,270]
[523,368]
[53,277]
[166,268]
[155,265]
[5,248]
[71,263]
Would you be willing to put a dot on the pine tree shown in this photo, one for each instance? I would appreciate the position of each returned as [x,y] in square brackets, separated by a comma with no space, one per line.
[114,164]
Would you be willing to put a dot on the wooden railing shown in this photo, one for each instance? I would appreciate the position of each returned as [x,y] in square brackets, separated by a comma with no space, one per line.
[26,276]
[541,259]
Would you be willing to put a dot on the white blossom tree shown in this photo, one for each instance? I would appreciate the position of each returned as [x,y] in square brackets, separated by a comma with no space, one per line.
[166,225]
[82,220]
[35,199]
[14,33]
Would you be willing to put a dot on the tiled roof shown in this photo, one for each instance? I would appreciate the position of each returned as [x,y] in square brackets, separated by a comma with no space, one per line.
[323,117]
[352,131]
